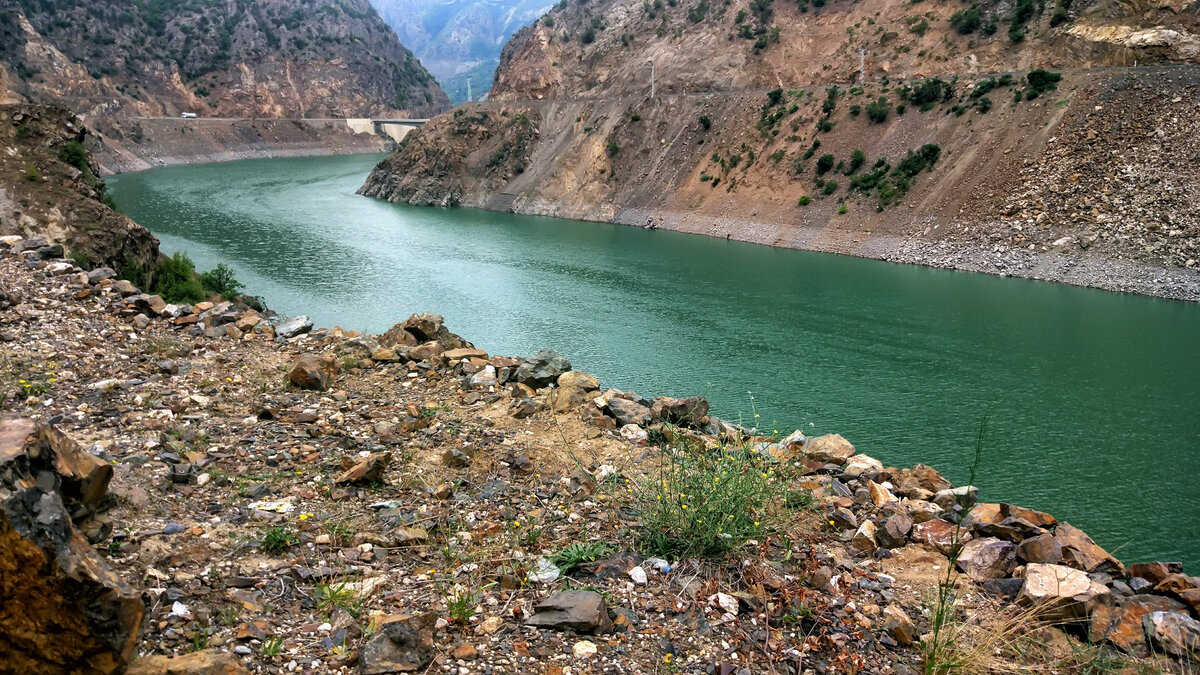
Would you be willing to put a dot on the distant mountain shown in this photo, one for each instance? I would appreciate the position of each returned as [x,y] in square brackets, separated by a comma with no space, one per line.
[243,58]
[459,39]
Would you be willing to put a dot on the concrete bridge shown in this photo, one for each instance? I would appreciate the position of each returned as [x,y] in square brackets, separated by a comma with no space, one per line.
[396,129]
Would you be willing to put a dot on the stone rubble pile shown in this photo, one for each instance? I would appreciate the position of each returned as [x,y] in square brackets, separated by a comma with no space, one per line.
[290,499]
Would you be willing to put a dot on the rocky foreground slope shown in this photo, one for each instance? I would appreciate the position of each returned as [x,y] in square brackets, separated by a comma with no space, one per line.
[205,488]
[1049,154]
[267,58]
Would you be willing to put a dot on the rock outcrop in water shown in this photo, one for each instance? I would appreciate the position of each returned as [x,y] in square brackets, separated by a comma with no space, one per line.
[429,504]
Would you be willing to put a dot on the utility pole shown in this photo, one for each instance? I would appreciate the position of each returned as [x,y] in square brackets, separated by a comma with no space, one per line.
[468,90]
[651,80]
[862,66]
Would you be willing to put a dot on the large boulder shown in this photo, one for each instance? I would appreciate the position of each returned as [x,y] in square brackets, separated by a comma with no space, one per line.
[290,328]
[1175,633]
[1080,552]
[987,558]
[1060,593]
[830,448]
[63,609]
[1121,624]
[542,369]
[629,412]
[579,611]
[687,412]
[429,327]
[312,371]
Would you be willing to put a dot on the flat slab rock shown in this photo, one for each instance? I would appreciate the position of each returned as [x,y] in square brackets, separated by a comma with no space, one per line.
[579,611]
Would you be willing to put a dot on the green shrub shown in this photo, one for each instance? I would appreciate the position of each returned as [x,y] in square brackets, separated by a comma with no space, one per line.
[222,282]
[774,96]
[920,28]
[916,162]
[812,150]
[805,200]
[966,21]
[877,110]
[830,187]
[175,280]
[824,164]
[73,153]
[1041,81]
[612,149]
[700,504]
[705,122]
[857,159]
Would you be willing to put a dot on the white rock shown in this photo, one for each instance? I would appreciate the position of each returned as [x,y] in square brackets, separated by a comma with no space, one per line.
[634,434]
[545,572]
[638,575]
[583,649]
[726,602]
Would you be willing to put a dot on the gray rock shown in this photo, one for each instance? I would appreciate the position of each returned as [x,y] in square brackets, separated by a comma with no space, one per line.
[580,611]
[290,328]
[542,368]
[628,412]
[1175,633]
[893,531]
[403,646]
[966,496]
[987,558]
[100,274]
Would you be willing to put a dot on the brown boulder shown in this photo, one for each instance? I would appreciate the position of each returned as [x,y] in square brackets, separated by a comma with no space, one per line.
[1155,572]
[830,448]
[63,608]
[1040,549]
[1176,584]
[919,482]
[940,535]
[579,380]
[311,371]
[396,336]
[688,412]
[207,662]
[368,470]
[1122,624]
[426,351]
[899,625]
[1080,552]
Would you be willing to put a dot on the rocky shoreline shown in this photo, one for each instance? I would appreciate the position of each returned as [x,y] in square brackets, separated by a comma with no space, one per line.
[139,144]
[232,492]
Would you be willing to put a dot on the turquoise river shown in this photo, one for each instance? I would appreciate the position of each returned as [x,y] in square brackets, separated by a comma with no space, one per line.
[1097,413]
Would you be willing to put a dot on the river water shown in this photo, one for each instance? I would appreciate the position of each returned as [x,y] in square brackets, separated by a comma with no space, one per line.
[1097,395]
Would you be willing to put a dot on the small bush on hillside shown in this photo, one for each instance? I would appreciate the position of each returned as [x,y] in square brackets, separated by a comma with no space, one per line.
[1041,81]
[705,122]
[175,280]
[222,282]
[966,21]
[857,159]
[877,110]
[824,164]
[73,153]
[805,200]
[830,187]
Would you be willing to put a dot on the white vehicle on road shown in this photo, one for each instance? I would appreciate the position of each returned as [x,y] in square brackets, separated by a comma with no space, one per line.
[187,115]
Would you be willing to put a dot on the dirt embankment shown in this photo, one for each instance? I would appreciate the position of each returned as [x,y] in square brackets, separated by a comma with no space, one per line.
[136,144]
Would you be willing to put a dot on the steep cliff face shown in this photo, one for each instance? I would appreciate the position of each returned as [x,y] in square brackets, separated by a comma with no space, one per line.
[1022,131]
[50,189]
[607,48]
[243,58]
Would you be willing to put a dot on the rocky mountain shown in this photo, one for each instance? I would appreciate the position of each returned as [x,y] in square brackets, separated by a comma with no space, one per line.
[459,39]
[237,58]
[1010,138]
